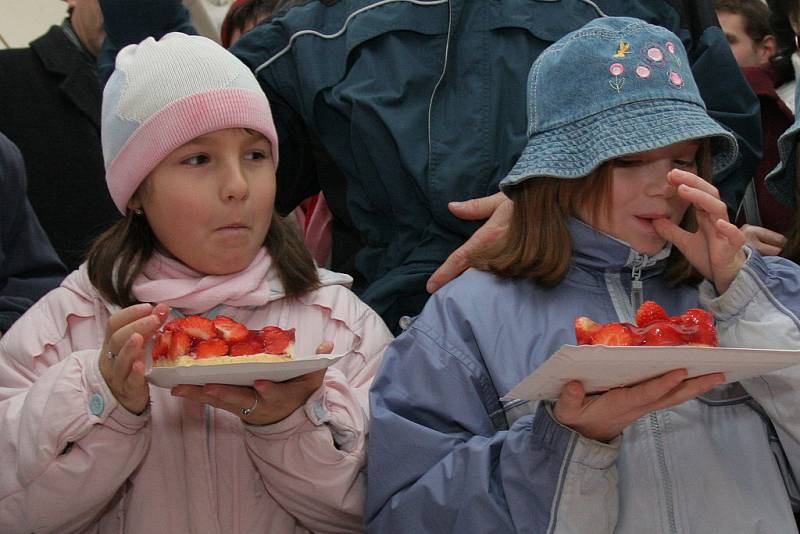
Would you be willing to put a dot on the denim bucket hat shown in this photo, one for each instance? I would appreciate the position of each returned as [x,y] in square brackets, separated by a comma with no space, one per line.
[616,86]
[782,179]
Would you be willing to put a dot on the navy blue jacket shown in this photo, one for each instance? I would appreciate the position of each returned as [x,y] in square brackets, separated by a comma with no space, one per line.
[393,109]
[29,267]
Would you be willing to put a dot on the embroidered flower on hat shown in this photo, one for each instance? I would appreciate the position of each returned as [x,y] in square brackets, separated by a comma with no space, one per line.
[654,55]
[675,79]
[643,72]
[671,47]
[619,81]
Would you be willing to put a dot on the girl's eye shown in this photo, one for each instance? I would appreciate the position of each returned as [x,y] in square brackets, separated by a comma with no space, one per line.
[256,155]
[685,163]
[620,162]
[196,160]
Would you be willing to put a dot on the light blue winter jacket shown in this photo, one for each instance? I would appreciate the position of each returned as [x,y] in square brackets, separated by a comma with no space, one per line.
[445,455]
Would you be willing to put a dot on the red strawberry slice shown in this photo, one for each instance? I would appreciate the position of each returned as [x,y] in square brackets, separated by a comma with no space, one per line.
[196,326]
[230,330]
[245,348]
[706,334]
[700,324]
[161,345]
[696,316]
[210,348]
[616,334]
[650,312]
[663,333]
[276,340]
[585,329]
[179,345]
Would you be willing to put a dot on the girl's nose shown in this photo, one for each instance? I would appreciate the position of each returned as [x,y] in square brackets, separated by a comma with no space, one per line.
[657,183]
[234,182]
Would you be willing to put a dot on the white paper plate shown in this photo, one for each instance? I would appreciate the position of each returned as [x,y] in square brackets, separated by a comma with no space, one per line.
[238,374]
[600,368]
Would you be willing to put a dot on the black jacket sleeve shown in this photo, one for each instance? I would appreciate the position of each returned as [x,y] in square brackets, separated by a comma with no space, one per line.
[29,267]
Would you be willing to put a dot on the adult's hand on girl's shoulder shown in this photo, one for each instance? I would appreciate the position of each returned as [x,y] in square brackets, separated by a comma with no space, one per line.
[604,417]
[764,240]
[497,210]
[122,357]
[266,402]
[715,249]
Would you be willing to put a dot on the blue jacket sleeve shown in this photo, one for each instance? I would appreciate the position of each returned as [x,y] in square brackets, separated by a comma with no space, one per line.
[761,309]
[436,462]
[29,267]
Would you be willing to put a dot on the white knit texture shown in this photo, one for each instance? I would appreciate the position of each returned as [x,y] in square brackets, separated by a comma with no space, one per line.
[178,65]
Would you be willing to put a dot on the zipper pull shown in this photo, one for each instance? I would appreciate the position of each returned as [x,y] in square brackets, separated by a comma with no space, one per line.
[637,289]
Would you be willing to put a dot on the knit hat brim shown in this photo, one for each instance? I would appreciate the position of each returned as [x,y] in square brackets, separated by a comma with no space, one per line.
[178,123]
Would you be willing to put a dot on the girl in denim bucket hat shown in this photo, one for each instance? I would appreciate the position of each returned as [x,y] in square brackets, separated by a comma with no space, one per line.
[618,166]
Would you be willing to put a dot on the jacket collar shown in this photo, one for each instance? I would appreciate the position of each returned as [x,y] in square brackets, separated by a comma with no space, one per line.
[594,250]
[80,85]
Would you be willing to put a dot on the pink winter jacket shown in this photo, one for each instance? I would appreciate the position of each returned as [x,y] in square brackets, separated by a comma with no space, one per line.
[74,460]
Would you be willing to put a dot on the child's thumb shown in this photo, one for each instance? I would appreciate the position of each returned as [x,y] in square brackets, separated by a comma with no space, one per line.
[572,395]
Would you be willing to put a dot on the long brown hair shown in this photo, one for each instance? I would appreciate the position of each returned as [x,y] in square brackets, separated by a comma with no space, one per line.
[118,256]
[538,245]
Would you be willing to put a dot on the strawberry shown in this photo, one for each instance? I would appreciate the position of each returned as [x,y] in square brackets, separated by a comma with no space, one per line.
[210,348]
[275,339]
[616,334]
[706,335]
[244,348]
[172,326]
[700,324]
[196,326]
[662,333]
[161,345]
[230,330]
[650,312]
[179,344]
[696,316]
[585,329]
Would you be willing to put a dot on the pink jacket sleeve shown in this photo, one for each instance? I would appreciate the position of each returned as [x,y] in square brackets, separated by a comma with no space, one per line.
[312,462]
[66,445]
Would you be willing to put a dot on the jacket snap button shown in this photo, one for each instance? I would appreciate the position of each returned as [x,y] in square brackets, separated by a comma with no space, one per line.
[97,404]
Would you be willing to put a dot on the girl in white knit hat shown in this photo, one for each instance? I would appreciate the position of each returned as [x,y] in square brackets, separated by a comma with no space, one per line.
[87,443]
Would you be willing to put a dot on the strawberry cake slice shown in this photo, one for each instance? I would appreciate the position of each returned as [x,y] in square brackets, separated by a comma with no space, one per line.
[196,340]
[653,328]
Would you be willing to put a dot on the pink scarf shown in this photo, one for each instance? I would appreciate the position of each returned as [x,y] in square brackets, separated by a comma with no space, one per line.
[177,285]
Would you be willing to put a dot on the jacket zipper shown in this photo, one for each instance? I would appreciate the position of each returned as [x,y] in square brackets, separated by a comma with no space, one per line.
[637,299]
[637,289]
[655,427]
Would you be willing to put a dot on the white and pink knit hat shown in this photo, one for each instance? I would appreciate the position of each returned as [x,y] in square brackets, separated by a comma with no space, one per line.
[165,93]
